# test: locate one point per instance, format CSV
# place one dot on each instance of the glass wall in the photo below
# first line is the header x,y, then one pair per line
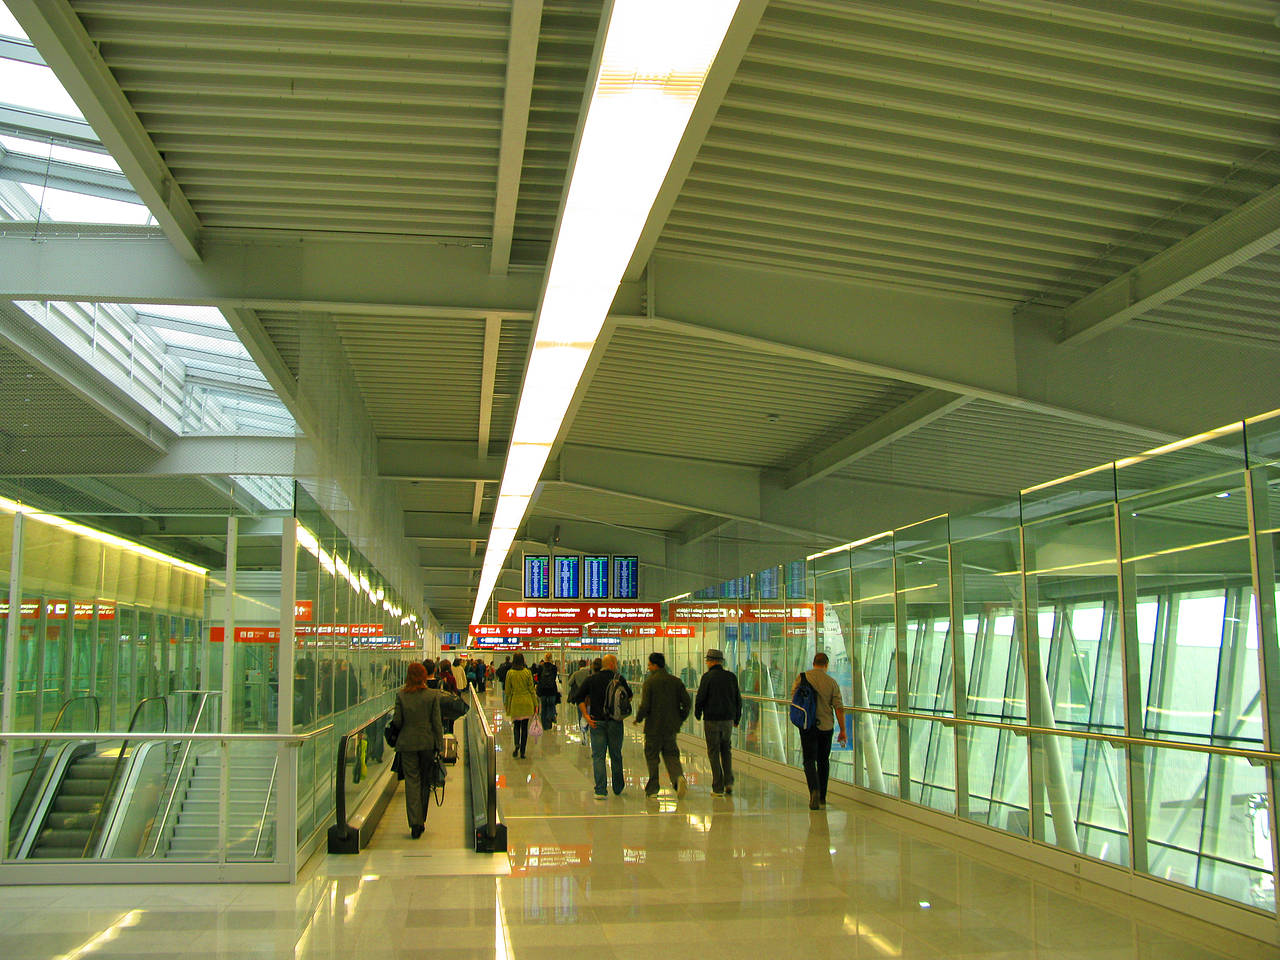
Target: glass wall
x,y
1092,667
155,680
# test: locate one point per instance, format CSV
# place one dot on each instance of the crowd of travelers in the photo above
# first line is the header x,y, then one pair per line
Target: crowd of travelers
x,y
601,699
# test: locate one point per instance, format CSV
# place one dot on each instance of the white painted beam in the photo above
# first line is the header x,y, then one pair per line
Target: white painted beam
x,y
1229,241
66,47
522,56
902,420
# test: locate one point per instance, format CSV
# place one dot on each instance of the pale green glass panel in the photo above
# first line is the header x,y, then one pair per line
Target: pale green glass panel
x,y
933,765
997,778
1207,825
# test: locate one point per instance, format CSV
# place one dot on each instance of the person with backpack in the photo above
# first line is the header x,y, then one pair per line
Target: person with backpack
x,y
664,705
816,711
605,701
719,706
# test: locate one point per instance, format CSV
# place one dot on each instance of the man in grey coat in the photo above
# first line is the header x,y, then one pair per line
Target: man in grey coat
x,y
664,704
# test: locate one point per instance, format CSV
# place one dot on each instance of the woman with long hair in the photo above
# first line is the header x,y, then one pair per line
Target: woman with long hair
x,y
420,738
519,701
445,672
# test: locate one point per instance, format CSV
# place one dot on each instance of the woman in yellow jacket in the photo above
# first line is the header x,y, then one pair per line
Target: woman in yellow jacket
x,y
519,701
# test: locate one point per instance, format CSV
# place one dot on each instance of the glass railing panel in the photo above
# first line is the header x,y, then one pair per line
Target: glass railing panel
x,y
1189,554
873,679
1086,490
1207,825
933,778
766,731
874,757
1072,581
1213,453
996,768
1070,775
987,582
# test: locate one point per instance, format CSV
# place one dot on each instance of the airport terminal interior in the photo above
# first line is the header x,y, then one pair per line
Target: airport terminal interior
x,y
937,336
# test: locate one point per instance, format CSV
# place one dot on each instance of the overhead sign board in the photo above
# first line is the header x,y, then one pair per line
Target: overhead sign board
x,y
484,630
744,612
512,612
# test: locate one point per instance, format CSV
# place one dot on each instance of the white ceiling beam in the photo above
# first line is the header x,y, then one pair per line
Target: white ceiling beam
x,y
60,175
218,456
897,423
443,460
56,31
522,57
47,128
337,275
428,526
1229,241
699,529
723,69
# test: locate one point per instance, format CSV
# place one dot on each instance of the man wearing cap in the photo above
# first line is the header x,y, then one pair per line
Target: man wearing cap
x,y
719,706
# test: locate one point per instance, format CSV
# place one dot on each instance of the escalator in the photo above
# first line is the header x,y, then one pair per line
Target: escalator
x,y
74,805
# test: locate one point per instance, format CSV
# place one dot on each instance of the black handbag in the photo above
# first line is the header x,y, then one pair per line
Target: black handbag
x,y
392,733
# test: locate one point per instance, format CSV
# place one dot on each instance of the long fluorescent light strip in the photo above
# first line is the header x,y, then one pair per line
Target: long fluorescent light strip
x,y
655,59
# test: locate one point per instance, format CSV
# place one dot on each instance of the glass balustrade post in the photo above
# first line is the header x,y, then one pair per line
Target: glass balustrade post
x,y
286,832
959,674
228,686
901,674
1137,765
1262,553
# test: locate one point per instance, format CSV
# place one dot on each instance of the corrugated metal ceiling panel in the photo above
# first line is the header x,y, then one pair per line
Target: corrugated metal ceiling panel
x,y
419,377
571,503
1019,149
990,450
689,397
357,116
1243,303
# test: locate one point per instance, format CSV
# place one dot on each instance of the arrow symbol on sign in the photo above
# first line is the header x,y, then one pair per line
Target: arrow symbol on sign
x,y
591,611
510,611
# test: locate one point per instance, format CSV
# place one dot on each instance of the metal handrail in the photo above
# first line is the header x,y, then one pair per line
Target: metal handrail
x,y
97,713
290,738
1022,730
340,773
115,770
491,765
181,766
266,805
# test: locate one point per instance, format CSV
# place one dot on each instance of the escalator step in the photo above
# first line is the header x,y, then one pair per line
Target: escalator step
x,y
61,853
72,821
84,788
77,804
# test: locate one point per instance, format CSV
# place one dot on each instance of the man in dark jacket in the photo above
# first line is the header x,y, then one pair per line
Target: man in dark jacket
x,y
719,707
664,704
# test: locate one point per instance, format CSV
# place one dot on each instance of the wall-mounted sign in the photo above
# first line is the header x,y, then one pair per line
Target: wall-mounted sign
x,y
537,576
744,612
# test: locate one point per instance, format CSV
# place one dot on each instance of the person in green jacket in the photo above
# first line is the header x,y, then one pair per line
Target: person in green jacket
x,y
520,701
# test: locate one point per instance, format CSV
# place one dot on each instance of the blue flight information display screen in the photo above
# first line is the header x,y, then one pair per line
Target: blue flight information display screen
x,y
567,577
595,578
537,577
626,578
796,580
767,583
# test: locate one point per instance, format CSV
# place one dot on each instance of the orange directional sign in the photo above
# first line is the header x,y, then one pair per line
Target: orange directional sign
x,y
518,612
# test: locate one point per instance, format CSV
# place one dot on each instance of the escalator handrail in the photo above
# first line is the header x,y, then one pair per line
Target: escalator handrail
x,y
115,770
340,788
181,767
44,748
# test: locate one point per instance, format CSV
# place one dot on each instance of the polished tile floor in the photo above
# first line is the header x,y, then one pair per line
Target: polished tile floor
x,y
756,874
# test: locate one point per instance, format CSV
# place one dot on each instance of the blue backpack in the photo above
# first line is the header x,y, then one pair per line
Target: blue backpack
x,y
804,704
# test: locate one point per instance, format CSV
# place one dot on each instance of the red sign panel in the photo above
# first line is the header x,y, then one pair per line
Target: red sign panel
x,y
579,612
638,630
524,630
246,634
302,610
745,612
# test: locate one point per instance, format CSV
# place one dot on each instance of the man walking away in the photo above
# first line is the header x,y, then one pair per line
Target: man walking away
x,y
548,692
576,680
601,696
664,705
719,706
501,672
815,743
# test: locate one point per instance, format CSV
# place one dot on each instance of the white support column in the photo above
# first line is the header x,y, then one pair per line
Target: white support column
x,y
228,687
13,629
287,754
